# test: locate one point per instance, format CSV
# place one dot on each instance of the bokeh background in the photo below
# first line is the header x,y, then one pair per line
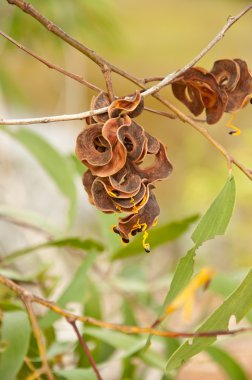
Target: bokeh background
x,y
145,39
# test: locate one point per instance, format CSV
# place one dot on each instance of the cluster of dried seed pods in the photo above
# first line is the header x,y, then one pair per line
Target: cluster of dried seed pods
x,y
113,147
226,88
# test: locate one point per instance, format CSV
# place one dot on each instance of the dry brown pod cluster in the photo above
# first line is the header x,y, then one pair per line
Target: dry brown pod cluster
x,y
227,87
113,146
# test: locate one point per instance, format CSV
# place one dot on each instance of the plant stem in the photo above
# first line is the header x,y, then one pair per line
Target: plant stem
x,y
51,65
85,347
20,291
27,300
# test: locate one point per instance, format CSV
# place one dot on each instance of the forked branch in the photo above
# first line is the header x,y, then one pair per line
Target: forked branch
x,y
20,291
100,61
108,68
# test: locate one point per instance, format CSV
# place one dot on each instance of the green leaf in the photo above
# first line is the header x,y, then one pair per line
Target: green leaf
x,y
237,304
78,166
128,313
93,305
76,374
157,236
131,344
214,222
54,163
74,242
16,276
58,348
181,278
224,284
75,291
114,338
223,205
16,332
217,217
227,362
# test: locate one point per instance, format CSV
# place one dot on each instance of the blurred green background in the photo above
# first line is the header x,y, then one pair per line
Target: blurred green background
x,y
145,39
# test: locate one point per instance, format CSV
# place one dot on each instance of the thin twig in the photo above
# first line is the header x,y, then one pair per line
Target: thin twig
x,y
171,115
153,79
78,116
22,224
101,62
113,326
70,117
203,131
85,347
35,372
194,124
27,300
53,119
49,25
108,80
161,113
53,28
51,65
170,77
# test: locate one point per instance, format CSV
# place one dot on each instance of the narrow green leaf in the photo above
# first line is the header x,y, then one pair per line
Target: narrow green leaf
x,y
78,166
181,278
54,163
157,236
238,304
128,313
128,369
58,348
16,333
227,363
16,276
93,305
75,242
222,204
131,344
224,284
114,338
75,291
111,240
214,222
217,217
76,374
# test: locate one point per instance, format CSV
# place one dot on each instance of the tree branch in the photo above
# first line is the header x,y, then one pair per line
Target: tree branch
x,y
28,8
27,300
19,291
170,77
69,117
186,119
108,79
203,131
53,119
85,347
53,28
51,65
100,61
